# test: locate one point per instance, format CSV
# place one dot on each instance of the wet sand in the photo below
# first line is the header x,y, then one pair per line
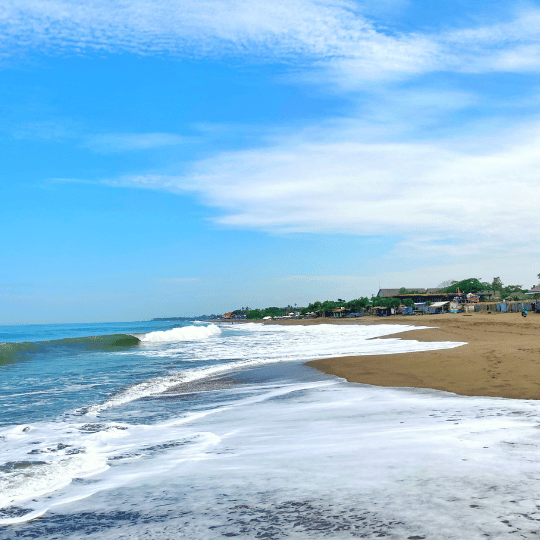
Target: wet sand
x,y
501,357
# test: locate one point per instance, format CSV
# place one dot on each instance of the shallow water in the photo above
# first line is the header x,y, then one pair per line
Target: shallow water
x,y
215,432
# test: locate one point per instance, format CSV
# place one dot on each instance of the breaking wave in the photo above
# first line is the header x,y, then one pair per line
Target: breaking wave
x,y
186,333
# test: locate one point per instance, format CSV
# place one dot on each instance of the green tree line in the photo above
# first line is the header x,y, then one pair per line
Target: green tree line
x,y
473,285
466,286
326,307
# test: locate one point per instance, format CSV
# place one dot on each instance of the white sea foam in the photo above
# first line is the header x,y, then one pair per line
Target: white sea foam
x,y
43,478
186,333
261,438
264,345
418,463
54,466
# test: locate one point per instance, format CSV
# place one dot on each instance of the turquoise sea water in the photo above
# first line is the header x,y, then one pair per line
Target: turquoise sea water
x,y
216,431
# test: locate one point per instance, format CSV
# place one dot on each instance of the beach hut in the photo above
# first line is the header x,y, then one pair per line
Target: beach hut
x,y
437,307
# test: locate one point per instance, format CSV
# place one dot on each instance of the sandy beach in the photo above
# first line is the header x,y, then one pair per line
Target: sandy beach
x,y
501,357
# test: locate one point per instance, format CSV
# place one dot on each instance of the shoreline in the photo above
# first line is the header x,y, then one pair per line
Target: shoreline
x,y
501,357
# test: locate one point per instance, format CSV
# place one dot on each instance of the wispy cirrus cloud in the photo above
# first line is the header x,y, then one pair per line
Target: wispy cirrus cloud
x,y
332,38
333,35
507,46
441,195
180,27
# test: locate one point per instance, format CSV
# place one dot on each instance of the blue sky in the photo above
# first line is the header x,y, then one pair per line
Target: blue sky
x,y
178,158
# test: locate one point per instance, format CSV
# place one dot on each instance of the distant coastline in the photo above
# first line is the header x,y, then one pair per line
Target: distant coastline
x,y
175,319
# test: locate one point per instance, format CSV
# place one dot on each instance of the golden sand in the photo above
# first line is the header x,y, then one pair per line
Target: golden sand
x,y
501,358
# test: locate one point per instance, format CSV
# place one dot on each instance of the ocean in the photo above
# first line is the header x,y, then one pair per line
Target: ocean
x,y
213,431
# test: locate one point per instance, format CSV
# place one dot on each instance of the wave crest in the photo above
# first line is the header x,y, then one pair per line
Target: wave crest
x,y
13,351
186,333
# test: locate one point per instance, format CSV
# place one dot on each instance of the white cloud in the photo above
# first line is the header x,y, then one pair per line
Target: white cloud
x,y
307,26
333,38
332,32
443,196
512,46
